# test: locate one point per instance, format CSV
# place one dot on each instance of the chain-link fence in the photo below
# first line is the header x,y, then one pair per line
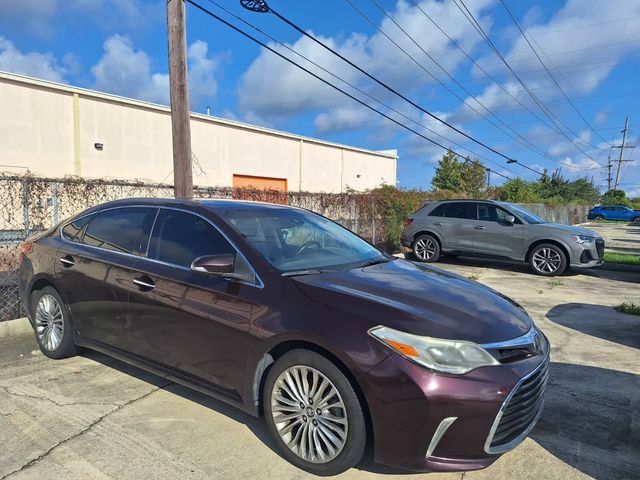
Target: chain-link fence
x,y
32,204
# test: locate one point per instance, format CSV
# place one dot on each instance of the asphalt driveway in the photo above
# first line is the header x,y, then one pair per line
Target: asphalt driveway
x,y
92,417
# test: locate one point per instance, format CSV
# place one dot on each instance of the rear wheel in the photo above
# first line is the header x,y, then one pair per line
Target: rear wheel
x,y
314,414
636,220
54,333
426,248
547,259
599,217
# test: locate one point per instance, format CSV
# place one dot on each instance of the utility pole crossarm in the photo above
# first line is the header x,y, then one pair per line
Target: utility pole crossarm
x,y
179,89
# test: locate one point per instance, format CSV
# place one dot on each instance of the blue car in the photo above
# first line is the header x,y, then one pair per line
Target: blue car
x,y
614,212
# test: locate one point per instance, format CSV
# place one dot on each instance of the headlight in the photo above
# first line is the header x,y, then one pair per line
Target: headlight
x,y
448,356
582,239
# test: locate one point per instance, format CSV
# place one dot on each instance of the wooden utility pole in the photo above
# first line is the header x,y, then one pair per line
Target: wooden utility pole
x,y
622,147
179,88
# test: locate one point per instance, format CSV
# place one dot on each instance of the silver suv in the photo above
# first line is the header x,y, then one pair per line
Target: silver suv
x,y
499,230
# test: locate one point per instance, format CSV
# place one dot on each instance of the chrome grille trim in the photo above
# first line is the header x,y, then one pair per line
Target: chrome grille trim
x,y
530,401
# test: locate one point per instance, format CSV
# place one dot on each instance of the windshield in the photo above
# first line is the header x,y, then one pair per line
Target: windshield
x,y
297,241
526,215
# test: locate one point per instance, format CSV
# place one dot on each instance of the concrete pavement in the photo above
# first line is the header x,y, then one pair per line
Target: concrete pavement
x,y
94,417
618,237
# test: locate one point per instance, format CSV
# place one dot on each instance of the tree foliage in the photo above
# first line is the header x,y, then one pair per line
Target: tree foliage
x,y
550,189
616,197
460,176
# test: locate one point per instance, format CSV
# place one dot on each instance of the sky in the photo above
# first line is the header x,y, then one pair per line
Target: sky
x,y
564,110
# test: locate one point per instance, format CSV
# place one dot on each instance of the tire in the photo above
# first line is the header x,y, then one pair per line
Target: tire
x,y
426,248
636,220
280,399
547,259
599,217
51,324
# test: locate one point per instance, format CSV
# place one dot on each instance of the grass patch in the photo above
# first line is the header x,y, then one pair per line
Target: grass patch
x,y
475,276
628,307
622,258
555,283
612,221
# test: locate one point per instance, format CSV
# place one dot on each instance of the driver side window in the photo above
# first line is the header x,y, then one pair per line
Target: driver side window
x,y
179,238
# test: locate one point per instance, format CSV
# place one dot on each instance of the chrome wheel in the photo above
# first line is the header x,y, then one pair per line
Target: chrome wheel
x,y
49,322
547,260
425,248
309,414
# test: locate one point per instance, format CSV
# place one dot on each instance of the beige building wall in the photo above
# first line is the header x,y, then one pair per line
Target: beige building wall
x,y
53,130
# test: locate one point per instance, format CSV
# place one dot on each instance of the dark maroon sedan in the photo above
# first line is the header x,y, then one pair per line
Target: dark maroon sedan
x,y
286,314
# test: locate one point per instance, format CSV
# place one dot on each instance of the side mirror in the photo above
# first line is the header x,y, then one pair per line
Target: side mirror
x,y
510,219
223,265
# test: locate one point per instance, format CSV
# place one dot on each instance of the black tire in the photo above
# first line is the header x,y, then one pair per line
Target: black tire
x,y
65,347
556,260
636,220
599,217
356,431
426,248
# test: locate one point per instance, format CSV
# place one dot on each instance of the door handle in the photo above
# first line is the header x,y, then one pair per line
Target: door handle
x,y
67,261
145,283
480,227
438,224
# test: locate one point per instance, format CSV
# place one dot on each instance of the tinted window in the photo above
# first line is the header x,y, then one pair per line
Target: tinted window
x,y
120,229
491,213
461,210
180,237
438,211
73,231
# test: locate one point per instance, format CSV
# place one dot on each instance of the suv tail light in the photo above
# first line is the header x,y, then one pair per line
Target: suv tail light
x,y
408,221
25,249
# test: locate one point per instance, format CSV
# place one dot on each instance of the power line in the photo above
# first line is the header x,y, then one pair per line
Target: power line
x,y
556,121
272,50
522,32
355,87
261,6
524,142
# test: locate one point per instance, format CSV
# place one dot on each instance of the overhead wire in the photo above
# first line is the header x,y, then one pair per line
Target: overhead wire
x,y
272,50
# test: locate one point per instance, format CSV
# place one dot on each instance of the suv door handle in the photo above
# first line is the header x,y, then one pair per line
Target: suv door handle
x,y
438,224
480,227
145,283
67,261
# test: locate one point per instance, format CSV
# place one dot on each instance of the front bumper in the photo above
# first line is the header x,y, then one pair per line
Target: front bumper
x,y
409,403
587,255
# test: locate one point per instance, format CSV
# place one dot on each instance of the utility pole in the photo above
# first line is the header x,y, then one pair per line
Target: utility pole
x,y
488,178
609,166
179,88
621,147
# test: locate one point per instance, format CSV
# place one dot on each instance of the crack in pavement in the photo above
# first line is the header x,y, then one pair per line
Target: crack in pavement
x,y
32,462
55,402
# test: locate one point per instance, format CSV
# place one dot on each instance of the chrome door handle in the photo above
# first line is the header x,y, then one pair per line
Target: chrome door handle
x,y
480,227
67,261
438,224
145,282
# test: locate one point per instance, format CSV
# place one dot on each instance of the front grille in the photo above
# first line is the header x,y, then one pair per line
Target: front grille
x,y
600,248
520,411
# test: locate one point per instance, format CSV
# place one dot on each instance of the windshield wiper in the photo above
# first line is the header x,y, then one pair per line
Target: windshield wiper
x,y
377,261
312,271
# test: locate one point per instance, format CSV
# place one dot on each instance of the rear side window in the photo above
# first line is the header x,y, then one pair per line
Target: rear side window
x,y
73,231
438,211
121,229
461,210
179,238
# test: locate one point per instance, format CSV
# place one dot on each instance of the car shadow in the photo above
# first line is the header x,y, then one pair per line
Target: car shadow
x,y
598,321
590,420
255,425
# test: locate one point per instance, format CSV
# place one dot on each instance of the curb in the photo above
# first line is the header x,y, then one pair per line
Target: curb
x,y
15,328
619,267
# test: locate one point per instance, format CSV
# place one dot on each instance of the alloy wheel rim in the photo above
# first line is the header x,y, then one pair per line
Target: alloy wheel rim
x,y
425,248
546,260
309,414
49,322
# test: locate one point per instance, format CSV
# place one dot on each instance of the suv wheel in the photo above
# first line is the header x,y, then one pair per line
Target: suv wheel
x,y
314,414
636,220
599,217
547,259
426,248
53,329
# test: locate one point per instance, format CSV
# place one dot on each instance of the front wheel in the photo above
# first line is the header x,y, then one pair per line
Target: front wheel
x,y
599,217
51,323
636,220
313,414
548,259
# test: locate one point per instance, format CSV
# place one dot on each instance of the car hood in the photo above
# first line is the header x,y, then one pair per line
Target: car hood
x,y
419,299
571,229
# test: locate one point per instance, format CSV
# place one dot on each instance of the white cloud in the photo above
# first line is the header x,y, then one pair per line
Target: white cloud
x,y
274,89
33,64
122,70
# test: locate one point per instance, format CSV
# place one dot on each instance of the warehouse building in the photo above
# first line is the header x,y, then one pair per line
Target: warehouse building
x,y
56,130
